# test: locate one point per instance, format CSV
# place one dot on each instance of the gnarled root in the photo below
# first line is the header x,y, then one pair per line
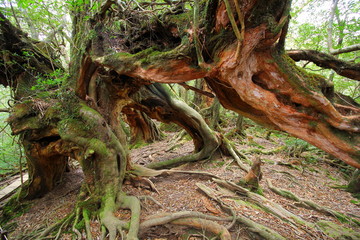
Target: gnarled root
x,y
192,219
254,227
312,205
113,224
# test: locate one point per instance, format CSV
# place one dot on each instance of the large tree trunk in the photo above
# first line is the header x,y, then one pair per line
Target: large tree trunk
x,y
158,102
237,47
246,66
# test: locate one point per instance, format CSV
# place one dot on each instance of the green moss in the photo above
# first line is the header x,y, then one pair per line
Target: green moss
x,y
138,144
248,204
14,208
180,20
98,146
269,161
336,231
313,124
298,78
80,225
21,110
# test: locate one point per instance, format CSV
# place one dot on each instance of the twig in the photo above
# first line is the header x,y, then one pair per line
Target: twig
x,y
208,94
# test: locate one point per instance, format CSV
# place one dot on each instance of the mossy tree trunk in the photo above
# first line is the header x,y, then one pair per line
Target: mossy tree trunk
x,y
159,103
237,47
242,58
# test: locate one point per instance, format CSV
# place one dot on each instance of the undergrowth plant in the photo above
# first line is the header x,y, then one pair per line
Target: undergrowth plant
x,y
10,151
51,80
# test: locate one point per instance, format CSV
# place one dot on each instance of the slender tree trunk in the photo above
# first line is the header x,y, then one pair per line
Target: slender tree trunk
x,y
354,184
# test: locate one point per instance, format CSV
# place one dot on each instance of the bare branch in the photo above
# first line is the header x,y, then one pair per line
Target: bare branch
x,y
352,48
208,94
324,60
4,110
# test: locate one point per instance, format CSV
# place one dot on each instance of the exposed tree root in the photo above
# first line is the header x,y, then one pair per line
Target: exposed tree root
x,y
152,199
235,154
268,206
76,232
210,193
158,102
192,219
310,204
336,231
254,227
142,171
56,226
206,225
265,152
132,203
263,231
111,223
163,218
87,224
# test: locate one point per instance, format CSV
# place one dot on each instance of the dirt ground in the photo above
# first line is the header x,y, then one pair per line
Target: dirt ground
x,y
179,192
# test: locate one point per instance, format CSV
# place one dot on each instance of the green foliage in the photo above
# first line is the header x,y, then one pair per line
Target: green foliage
x,y
309,30
10,151
49,81
14,209
296,146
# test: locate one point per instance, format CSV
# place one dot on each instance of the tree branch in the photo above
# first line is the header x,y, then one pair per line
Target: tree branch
x,y
208,94
4,110
352,48
324,60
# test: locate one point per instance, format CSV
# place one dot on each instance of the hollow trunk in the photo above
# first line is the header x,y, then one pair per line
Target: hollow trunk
x,y
142,127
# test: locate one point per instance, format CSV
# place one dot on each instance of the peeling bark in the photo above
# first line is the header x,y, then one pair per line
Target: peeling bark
x,y
257,80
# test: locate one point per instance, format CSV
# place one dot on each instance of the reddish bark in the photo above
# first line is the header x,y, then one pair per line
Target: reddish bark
x,y
260,82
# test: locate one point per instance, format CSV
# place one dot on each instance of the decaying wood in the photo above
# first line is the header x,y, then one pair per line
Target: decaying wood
x,y
252,178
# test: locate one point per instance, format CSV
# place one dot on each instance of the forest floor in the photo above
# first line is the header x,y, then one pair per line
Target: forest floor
x,y
309,174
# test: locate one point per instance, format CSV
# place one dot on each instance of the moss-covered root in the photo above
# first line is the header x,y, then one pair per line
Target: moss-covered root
x,y
228,147
259,229
111,223
132,203
310,204
336,231
202,155
206,225
191,219
267,205
252,226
